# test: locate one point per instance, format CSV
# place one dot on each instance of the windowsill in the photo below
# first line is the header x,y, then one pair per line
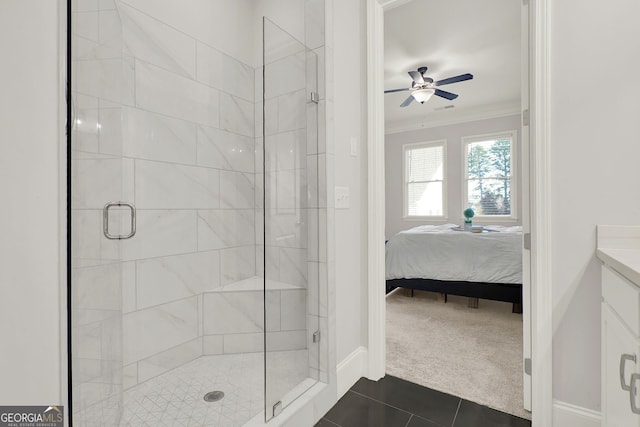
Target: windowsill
x,y
495,220
426,218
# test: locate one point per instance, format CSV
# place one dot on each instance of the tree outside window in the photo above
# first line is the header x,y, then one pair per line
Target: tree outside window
x,y
489,175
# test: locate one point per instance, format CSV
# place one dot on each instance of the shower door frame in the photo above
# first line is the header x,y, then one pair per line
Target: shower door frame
x,y
65,7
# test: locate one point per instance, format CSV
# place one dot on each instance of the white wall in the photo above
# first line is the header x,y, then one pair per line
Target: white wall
x,y
350,171
595,173
453,134
30,330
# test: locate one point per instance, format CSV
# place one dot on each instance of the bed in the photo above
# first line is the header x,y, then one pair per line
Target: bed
x,y
440,258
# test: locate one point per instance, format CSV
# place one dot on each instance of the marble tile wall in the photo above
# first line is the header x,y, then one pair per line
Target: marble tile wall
x,y
190,136
233,321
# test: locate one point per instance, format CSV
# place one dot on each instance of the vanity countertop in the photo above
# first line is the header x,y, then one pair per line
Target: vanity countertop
x,y
619,248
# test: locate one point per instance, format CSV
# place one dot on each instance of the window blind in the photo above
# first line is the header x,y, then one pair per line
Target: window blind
x,y
424,175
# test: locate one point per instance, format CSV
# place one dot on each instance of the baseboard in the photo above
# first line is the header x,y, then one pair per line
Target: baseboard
x,y
566,414
351,369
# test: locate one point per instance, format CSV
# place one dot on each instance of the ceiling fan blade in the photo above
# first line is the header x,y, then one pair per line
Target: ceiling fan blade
x,y
407,101
444,94
417,77
395,90
460,78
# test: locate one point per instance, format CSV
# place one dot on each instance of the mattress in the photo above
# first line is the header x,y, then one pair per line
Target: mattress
x,y
440,252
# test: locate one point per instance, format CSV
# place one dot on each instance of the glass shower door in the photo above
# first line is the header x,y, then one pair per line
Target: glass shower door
x,y
290,216
194,217
100,219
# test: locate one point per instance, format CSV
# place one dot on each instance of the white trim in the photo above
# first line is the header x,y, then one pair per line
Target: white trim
x,y
430,219
466,117
470,139
566,414
375,191
351,369
541,301
541,279
405,206
525,170
489,136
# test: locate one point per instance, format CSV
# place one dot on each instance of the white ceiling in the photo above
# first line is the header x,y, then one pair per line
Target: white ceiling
x,y
453,37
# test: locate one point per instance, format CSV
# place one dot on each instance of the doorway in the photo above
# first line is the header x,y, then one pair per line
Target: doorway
x,y
461,148
540,328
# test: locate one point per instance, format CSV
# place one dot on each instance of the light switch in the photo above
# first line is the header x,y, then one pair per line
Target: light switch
x,y
354,146
342,197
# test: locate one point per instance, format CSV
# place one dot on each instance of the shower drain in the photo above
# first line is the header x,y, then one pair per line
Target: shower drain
x,y
213,396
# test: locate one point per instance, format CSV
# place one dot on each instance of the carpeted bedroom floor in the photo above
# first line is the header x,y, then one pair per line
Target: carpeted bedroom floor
x,y
471,353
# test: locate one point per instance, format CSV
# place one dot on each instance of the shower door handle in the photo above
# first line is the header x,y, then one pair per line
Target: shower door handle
x,y
105,221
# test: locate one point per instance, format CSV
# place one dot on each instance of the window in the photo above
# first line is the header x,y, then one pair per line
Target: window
x,y
424,189
489,164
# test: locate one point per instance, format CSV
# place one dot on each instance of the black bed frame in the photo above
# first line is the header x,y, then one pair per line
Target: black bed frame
x,y
494,291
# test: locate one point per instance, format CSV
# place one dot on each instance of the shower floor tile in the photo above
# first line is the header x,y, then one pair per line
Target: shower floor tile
x,y
176,398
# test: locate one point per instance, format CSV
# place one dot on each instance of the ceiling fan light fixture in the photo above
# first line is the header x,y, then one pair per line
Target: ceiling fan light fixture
x,y
422,95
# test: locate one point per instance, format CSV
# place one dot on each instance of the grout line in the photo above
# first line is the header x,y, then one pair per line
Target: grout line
x,y
456,415
380,401
159,305
192,37
135,287
409,420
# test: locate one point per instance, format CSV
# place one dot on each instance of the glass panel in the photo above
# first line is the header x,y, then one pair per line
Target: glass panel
x,y
291,216
98,176
424,198
490,196
165,120
425,164
489,176
489,158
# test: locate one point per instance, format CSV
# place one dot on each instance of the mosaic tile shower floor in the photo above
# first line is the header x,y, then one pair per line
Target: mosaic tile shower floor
x,y
176,397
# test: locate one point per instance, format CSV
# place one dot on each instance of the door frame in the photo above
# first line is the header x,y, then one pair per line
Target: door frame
x,y
538,133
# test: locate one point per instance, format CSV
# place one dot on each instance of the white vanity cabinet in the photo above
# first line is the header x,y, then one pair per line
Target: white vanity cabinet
x,y
620,356
618,247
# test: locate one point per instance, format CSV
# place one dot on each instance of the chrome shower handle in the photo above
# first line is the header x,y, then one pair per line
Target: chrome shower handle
x,y
105,221
623,360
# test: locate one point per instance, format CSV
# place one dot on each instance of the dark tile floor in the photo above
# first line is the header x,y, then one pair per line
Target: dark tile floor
x,y
393,402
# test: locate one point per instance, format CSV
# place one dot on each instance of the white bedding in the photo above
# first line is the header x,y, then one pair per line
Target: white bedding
x,y
438,252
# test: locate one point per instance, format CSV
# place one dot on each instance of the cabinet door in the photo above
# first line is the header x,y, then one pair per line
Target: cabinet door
x,y
620,359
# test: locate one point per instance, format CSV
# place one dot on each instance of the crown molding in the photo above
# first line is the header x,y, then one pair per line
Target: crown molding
x,y
447,119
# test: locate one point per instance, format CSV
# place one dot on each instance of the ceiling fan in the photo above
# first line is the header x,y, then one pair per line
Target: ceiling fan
x,y
422,87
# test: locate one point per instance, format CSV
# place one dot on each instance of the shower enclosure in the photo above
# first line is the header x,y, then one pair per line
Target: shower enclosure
x,y
196,212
